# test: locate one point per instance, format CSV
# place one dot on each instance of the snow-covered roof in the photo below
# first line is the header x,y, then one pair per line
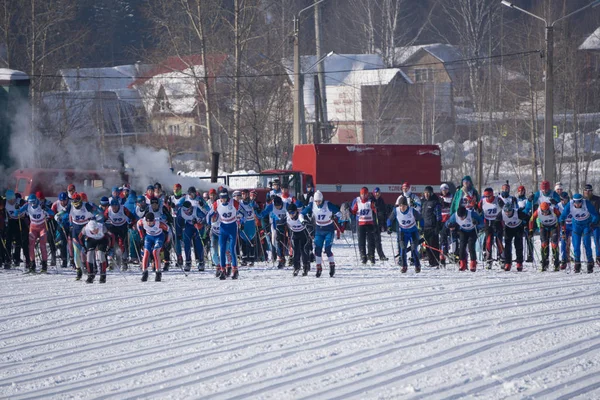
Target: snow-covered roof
x,y
443,52
344,76
12,75
84,113
592,42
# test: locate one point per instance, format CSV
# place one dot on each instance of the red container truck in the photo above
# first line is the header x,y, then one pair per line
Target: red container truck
x,y
339,171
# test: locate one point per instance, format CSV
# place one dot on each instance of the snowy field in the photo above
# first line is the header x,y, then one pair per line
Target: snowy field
x,y
367,333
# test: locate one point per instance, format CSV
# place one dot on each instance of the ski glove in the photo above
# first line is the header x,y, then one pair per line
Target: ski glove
x,y
389,231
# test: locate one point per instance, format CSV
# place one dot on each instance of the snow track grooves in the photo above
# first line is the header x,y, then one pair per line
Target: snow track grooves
x,y
360,335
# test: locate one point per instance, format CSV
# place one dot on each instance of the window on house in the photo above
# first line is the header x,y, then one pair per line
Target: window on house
x,y
423,75
163,105
173,129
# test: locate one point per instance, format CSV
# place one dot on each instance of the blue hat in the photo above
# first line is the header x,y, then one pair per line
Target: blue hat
x,y
63,196
224,193
376,190
32,198
150,187
114,202
299,204
10,195
577,197
140,198
467,178
116,189
104,201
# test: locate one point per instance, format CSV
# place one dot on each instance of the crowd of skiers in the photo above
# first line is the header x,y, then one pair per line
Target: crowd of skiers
x,y
223,226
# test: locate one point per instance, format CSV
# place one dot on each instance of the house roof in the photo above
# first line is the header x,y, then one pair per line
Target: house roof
x,y
12,75
443,52
177,78
83,113
343,73
592,42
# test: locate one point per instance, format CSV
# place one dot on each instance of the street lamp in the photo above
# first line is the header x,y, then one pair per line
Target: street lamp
x,y
299,130
549,156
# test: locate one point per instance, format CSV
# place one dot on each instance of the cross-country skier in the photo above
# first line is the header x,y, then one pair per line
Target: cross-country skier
x,y
229,215
525,204
466,223
513,224
585,217
276,212
445,237
38,229
189,223
63,229
324,213
566,232
248,234
432,224
467,196
409,220
118,221
545,195
17,229
588,194
299,238
412,198
381,208
154,234
366,218
546,217
96,239
491,207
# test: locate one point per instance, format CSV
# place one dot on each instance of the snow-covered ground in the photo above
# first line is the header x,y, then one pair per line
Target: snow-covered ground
x,y
368,333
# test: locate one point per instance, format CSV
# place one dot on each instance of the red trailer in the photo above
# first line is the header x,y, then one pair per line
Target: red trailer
x,y
340,170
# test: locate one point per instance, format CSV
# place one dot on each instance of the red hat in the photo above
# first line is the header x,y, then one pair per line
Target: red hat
x,y
177,186
521,188
70,187
39,195
405,185
364,191
83,197
545,206
545,185
76,197
212,191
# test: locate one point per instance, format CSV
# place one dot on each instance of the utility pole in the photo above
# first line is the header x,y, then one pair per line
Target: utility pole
x,y
324,123
299,131
549,155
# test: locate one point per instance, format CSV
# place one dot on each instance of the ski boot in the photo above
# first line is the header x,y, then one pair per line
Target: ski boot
x,y
363,260
563,266
158,276
7,265
488,264
243,263
235,274
463,265
372,259
443,260
200,265
30,268
290,262
124,267
166,266
281,263
63,263
598,260
72,264
417,269
90,278
296,269
102,278
222,274
577,267
507,267
529,258
251,264
404,269
319,270
305,270
520,267
383,258
311,257
556,267
228,271
53,260
44,269
179,261
145,276
473,265
331,269
590,267
79,274
188,266
218,272
544,266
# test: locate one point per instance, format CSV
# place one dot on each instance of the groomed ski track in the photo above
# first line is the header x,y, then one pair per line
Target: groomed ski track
x,y
368,333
